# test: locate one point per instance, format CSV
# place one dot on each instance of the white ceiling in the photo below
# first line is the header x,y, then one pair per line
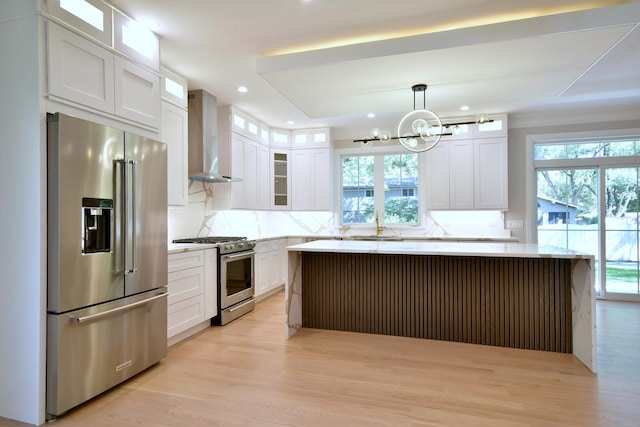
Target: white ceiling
x,y
331,62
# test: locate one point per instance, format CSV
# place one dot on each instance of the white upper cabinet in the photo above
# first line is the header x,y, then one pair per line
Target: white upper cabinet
x,y
280,178
498,127
438,177
490,161
311,138
173,88
137,93
280,138
110,72
79,70
175,133
311,179
465,172
92,17
468,174
248,126
461,174
136,41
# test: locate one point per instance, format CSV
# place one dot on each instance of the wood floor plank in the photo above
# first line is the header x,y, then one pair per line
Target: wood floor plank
x,y
247,374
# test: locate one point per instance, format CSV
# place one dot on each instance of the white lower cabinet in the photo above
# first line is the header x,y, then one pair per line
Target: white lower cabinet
x,y
192,292
269,266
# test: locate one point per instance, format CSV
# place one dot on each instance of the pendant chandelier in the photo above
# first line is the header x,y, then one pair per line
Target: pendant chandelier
x,y
421,129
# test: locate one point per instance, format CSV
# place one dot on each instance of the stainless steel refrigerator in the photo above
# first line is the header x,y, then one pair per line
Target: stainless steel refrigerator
x,y
107,258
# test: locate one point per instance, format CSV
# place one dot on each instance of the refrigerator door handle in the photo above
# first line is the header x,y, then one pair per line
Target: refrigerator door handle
x,y
115,310
123,215
134,215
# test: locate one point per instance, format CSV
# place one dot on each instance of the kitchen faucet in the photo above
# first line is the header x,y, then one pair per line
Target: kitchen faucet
x,y
379,229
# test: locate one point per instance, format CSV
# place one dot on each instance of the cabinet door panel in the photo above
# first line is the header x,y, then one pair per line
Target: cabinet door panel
x,y
250,176
438,177
185,284
491,175
96,24
461,174
300,188
79,70
237,169
175,135
280,179
184,314
137,93
320,179
263,178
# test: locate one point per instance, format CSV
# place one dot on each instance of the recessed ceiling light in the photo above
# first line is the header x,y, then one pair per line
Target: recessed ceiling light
x,y
371,115
464,108
291,122
243,89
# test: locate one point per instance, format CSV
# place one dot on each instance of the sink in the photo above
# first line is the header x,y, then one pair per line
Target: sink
x,y
373,237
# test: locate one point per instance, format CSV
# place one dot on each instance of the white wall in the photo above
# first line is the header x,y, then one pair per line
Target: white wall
x,y
22,222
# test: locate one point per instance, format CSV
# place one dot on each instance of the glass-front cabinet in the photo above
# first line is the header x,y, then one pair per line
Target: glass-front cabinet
x,y
281,184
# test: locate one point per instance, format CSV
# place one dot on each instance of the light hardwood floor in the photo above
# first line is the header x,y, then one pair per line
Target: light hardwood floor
x,y
247,374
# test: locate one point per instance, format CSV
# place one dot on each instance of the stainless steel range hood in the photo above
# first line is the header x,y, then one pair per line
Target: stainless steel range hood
x,y
204,163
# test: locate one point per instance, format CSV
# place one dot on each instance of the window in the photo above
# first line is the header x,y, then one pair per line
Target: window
x,y
588,197
586,150
357,189
395,176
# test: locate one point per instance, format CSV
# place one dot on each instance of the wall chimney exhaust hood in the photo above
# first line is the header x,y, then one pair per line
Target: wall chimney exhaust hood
x,y
205,151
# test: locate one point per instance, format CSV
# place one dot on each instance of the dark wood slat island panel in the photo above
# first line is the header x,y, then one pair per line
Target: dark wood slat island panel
x,y
509,302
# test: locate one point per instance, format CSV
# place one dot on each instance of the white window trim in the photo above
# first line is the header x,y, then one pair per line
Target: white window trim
x,y
530,181
379,198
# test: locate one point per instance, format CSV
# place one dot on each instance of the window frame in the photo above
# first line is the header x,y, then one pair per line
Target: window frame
x,y
378,152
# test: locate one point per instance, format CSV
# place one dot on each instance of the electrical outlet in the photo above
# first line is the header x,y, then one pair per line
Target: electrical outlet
x,y
515,223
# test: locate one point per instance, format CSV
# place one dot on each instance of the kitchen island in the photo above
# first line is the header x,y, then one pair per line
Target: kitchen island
x,y
504,294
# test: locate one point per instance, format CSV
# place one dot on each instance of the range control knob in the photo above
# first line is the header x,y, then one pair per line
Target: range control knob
x,y
227,247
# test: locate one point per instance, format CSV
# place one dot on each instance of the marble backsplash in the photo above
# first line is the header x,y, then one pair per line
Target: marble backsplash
x,y
204,215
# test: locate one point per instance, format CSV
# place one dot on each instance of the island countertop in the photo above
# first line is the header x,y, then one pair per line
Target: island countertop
x,y
482,249
527,296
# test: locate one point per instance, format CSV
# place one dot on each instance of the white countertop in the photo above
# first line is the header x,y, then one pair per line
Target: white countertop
x,y
175,248
485,249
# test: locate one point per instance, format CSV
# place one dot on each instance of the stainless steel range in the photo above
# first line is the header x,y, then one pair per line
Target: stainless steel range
x,y
236,276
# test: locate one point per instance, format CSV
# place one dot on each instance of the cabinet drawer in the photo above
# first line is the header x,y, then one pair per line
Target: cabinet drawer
x,y
185,284
184,314
184,260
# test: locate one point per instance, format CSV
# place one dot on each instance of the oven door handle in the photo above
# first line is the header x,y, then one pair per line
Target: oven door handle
x,y
242,255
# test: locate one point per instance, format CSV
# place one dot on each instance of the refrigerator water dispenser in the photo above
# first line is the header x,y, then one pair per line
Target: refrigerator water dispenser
x,y
96,225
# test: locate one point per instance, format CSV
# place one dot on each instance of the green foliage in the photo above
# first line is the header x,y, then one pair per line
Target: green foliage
x,y
398,210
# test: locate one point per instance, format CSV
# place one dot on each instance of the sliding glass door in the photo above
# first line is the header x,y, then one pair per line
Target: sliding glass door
x,y
588,200
568,210
621,231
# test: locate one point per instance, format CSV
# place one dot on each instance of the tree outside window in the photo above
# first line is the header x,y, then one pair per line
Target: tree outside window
x,y
400,178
